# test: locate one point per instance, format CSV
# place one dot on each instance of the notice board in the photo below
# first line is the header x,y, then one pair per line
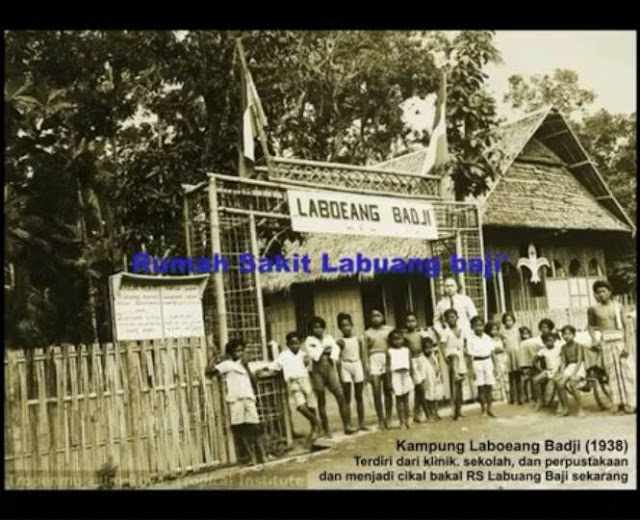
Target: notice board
x,y
152,307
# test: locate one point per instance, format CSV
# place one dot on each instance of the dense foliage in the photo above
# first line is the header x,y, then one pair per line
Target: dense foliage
x,y
102,127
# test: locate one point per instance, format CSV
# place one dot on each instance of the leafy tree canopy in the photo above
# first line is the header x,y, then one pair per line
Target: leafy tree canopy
x,y
102,127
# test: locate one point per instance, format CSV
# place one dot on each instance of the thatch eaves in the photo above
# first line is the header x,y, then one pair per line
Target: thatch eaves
x,y
340,246
538,191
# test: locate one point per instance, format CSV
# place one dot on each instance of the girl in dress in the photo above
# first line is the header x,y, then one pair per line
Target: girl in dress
x,y
501,388
400,365
525,359
511,340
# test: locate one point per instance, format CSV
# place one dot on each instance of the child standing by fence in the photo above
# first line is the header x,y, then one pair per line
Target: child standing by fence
x,y
292,362
241,399
325,353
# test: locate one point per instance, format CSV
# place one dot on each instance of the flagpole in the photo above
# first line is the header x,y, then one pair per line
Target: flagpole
x,y
244,169
245,165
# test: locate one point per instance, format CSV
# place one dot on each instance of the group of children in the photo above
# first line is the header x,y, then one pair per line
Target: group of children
x,y
398,362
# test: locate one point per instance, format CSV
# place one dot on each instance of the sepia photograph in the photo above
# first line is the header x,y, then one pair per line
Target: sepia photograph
x,y
320,260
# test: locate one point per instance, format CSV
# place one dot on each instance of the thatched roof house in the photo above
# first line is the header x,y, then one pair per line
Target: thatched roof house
x,y
547,192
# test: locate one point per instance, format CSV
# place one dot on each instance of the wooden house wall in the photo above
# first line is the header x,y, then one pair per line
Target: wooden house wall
x,y
340,296
560,248
280,316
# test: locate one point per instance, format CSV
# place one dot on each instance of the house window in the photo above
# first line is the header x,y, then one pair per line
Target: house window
x,y
579,292
594,268
575,268
304,307
558,270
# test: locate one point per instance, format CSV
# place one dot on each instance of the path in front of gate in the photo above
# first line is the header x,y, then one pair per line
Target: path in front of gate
x,y
514,423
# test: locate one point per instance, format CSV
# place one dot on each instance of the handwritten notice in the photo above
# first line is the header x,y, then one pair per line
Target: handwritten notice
x,y
148,307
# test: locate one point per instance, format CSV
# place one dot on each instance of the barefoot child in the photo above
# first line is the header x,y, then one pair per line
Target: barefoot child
x,y
375,338
549,358
481,348
325,354
501,384
453,342
351,365
399,360
241,399
292,363
525,359
511,341
413,339
571,371
433,387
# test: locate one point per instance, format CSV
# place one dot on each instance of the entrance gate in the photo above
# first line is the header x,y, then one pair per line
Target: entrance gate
x,y
229,216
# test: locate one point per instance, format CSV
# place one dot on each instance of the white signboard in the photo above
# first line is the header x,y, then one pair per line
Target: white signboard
x,y
333,212
152,307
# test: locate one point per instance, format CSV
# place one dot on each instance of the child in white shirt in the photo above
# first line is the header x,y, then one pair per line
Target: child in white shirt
x,y
549,359
325,353
481,348
399,362
241,399
292,363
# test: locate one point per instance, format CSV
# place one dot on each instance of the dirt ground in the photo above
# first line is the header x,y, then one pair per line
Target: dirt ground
x,y
351,464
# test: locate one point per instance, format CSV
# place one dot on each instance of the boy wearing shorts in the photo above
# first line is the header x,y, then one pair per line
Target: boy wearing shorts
x,y
549,358
572,371
325,354
352,368
292,363
481,348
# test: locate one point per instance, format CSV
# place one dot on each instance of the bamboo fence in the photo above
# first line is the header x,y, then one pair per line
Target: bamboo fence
x,y
128,414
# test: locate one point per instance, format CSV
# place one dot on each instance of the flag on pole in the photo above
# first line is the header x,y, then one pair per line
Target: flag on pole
x,y
254,120
438,151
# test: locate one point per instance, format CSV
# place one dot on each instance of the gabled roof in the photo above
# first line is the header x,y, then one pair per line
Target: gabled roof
x,y
549,127
538,191
413,162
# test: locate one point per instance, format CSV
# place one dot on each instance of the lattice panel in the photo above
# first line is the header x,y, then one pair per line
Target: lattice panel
x,y
248,196
271,404
243,318
198,228
352,178
474,285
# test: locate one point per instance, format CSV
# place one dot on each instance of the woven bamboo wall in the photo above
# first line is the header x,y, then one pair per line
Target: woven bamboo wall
x,y
146,406
561,317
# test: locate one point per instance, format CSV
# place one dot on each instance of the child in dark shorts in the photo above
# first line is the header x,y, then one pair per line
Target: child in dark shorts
x,y
325,353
